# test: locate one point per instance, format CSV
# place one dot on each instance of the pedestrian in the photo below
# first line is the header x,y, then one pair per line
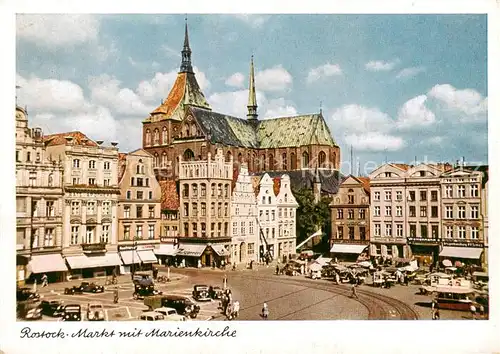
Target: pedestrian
x,y
251,264
437,315
45,281
354,293
433,309
481,310
115,297
265,311
277,269
473,311
236,309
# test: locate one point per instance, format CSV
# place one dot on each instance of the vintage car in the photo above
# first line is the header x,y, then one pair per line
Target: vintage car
x,y
84,287
215,292
183,305
143,278
314,274
151,316
170,314
53,308
201,293
95,312
143,291
28,310
72,312
23,294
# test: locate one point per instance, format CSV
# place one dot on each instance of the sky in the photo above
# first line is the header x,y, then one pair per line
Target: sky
x,y
392,87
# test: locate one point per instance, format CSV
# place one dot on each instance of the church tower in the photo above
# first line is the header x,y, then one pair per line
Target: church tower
x,y
186,66
252,97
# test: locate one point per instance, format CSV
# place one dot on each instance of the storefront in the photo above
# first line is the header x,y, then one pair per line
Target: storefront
x,y
93,265
52,265
130,259
204,255
424,251
147,256
347,252
464,255
166,253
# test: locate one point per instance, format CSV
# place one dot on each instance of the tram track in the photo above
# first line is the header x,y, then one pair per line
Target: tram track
x,y
379,307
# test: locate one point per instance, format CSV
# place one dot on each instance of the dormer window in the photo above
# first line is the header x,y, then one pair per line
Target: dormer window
x,y
387,174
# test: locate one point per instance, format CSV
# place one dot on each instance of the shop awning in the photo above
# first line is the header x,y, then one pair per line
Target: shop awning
x,y
194,250
220,250
343,248
166,250
47,263
130,257
106,260
147,256
461,252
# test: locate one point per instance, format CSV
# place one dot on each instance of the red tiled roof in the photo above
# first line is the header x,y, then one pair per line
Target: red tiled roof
x,y
60,139
402,166
169,196
277,185
174,97
366,183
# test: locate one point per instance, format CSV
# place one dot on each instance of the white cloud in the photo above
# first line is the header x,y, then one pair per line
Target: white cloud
x,y
379,65
50,95
105,90
254,21
322,71
57,30
354,118
273,79
408,73
236,80
202,79
278,107
467,101
170,52
414,113
374,141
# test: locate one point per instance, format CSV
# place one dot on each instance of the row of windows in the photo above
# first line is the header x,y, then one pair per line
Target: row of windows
x,y
91,208
90,235
45,240
287,212
243,228
350,213
203,209
214,231
351,232
138,232
138,212
461,212
450,192
38,157
216,190
92,181
139,195
461,191
92,164
38,209
412,212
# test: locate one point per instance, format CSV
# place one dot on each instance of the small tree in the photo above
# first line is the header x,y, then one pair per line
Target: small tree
x,y
311,217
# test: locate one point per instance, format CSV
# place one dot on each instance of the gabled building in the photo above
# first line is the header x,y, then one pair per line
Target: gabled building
x,y
139,211
91,192
245,232
287,219
39,206
350,215
169,222
185,125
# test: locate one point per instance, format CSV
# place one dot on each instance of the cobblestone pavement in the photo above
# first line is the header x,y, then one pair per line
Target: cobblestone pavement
x,y
288,298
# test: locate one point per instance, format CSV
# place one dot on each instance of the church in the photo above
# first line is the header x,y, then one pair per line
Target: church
x,y
185,126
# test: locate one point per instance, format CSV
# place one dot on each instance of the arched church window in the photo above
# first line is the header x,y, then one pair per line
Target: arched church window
x,y
156,138
164,138
305,159
271,162
148,137
293,161
322,159
188,155
283,162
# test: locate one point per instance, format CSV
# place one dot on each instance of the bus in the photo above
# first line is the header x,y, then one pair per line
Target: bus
x,y
454,297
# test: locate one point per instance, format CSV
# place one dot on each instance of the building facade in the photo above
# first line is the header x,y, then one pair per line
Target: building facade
x,y
139,211
287,219
184,124
350,215
39,206
464,207
245,233
90,211
169,222
205,198
388,211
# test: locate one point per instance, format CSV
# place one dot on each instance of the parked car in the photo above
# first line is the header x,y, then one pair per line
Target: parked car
x,y
95,311
73,290
151,316
314,274
28,310
170,314
23,294
215,292
201,293
143,291
53,308
183,305
143,278
72,313
84,287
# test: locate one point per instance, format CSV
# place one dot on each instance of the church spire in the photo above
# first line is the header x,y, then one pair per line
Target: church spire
x,y
252,98
186,53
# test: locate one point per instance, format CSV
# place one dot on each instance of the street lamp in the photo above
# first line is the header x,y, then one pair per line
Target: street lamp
x,y
134,245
